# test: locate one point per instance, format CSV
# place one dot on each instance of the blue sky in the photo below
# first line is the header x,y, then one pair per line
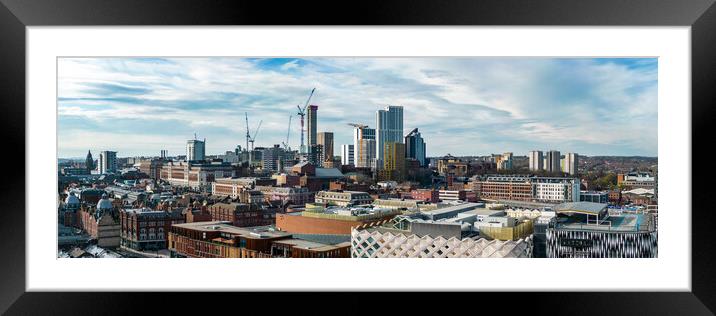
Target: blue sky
x,y
462,106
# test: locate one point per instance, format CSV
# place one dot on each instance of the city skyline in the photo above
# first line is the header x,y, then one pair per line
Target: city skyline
x,y
139,106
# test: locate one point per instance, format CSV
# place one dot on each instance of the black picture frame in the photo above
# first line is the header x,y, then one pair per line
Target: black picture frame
x,y
16,15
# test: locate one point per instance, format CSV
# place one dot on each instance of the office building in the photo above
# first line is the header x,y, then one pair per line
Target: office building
x,y
364,146
389,128
571,163
536,160
594,197
635,180
586,230
552,159
527,189
312,127
415,147
163,154
272,158
325,139
107,162
343,198
195,150
198,176
393,162
347,155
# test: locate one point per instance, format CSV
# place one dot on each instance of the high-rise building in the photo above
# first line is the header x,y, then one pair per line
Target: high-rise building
x,y
89,162
325,139
504,161
393,162
415,147
553,161
389,128
571,163
347,156
272,158
364,146
163,154
195,149
536,160
312,125
315,155
107,162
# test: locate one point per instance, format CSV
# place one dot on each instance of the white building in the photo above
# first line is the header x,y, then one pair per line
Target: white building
x,y
376,244
195,149
107,162
571,163
557,190
536,160
347,153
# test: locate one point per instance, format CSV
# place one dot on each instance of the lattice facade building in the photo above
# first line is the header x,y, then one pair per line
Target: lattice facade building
x,y
600,244
376,244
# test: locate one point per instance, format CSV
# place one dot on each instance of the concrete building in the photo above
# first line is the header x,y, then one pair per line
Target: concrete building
x,y
347,155
389,129
571,163
552,159
343,198
415,147
555,190
527,188
107,162
536,160
635,180
195,175
272,159
195,150
325,139
594,197
312,127
586,230
364,146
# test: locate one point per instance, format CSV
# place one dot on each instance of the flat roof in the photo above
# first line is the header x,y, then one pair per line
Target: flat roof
x,y
257,232
453,208
580,207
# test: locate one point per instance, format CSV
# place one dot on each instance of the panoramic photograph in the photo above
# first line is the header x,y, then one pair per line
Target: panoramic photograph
x,y
357,157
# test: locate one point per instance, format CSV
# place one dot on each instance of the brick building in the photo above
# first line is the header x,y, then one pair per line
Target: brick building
x,y
146,229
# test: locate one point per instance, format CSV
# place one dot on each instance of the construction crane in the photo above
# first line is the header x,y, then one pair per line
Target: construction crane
x,y
250,139
253,138
285,145
302,114
356,125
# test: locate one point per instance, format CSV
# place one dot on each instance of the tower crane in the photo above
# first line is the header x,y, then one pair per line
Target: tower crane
x,y
288,133
250,139
302,114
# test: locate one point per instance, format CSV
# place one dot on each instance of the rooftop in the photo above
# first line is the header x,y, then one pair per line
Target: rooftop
x,y
258,232
589,208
